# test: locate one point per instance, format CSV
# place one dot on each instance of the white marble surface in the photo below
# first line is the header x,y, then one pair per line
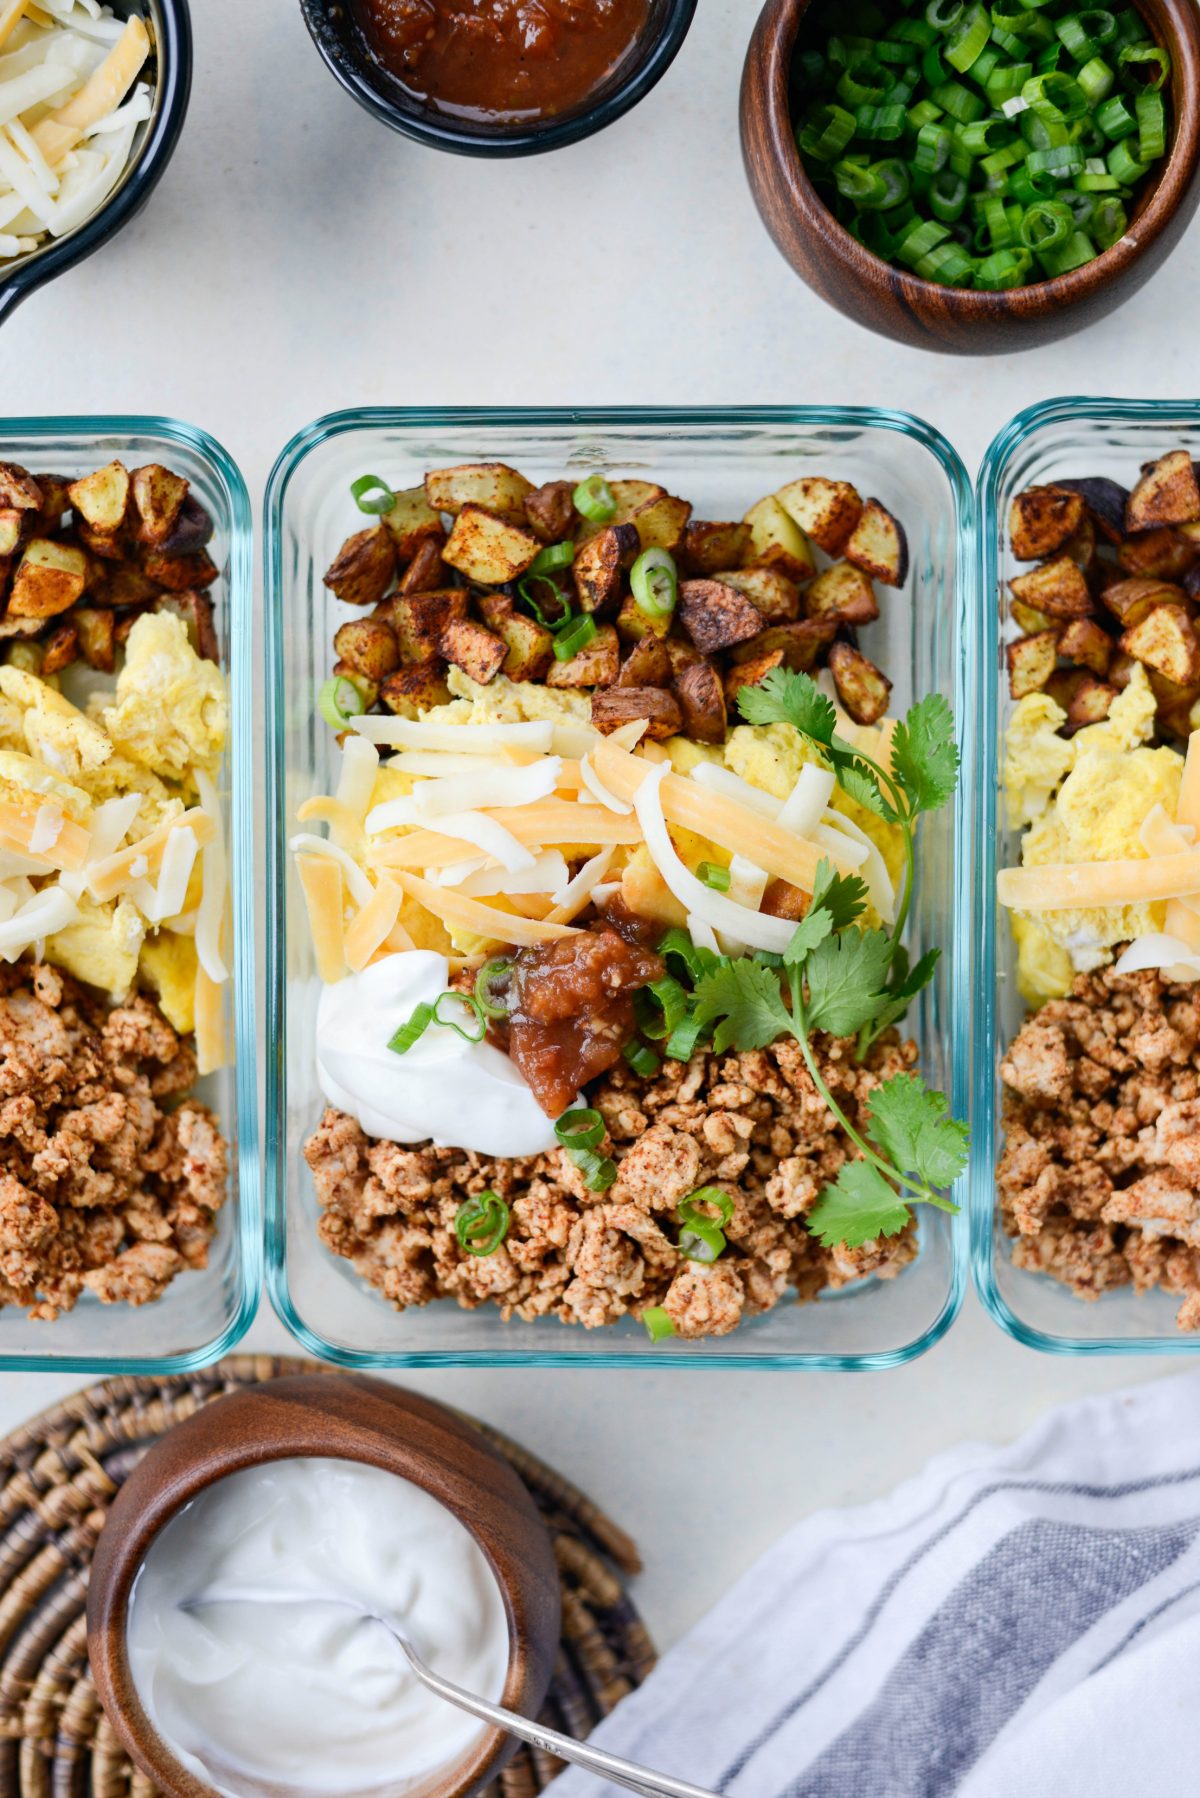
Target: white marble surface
x,y
298,259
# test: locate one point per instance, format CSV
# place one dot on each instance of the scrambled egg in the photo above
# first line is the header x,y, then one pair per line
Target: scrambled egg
x,y
24,775
55,731
169,963
1083,799
171,713
103,947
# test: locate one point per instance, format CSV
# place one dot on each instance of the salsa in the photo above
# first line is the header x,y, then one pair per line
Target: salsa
x,y
502,59
572,1011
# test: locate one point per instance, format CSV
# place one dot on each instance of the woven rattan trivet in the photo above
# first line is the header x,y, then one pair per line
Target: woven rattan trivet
x,y
57,1477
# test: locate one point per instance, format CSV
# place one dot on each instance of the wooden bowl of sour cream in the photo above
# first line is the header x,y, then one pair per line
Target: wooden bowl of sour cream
x,y
268,1433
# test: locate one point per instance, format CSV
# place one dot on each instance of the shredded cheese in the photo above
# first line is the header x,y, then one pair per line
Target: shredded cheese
x,y
210,914
454,909
466,739
211,1046
321,880
472,827
1071,886
644,891
596,787
546,826
579,892
100,94
359,885
47,912
356,784
142,860
19,828
373,925
1183,919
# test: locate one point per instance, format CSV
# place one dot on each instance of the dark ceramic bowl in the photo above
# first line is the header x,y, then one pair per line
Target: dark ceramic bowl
x,y
923,313
170,70
342,1417
346,53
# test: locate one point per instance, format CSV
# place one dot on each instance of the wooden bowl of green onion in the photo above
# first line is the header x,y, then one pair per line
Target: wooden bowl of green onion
x,y
968,178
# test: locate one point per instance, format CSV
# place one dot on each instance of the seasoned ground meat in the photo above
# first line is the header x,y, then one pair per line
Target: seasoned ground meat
x,y
101,1188
752,1124
1099,1182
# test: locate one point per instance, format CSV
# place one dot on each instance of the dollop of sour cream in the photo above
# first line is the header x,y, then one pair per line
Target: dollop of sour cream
x,y
297,1694
463,1095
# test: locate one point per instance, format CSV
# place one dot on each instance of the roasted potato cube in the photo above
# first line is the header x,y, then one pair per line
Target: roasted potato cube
x,y
1031,662
368,646
1167,493
367,690
50,578
473,648
411,691
20,654
615,706
1057,588
1105,501
782,900
1029,620
97,637
879,545
530,646
843,592
486,548
192,530
716,615
123,622
10,530
749,674
364,568
826,511
101,499
1042,519
680,654
715,548
18,489
426,573
550,511
1090,703
863,689
1164,552
599,563
1063,685
1166,640
648,664
411,521
774,596
494,486
634,625
661,522
110,546
196,611
632,494
702,702
60,649
125,585
178,573
419,619
1132,600
597,665
158,497
1087,643
1081,548
801,644
1120,670
779,542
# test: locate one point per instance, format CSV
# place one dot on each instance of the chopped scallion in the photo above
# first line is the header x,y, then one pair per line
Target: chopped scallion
x,y
371,494
594,500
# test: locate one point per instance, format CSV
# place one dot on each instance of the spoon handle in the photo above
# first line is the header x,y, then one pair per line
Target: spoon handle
x,y
581,1754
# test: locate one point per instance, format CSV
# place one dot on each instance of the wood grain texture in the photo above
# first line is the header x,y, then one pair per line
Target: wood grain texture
x,y
341,1416
922,313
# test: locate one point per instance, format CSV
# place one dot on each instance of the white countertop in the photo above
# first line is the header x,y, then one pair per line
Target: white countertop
x,y
298,259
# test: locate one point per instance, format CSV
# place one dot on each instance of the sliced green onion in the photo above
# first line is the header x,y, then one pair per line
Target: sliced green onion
x,y
968,40
582,1129
413,1031
685,1039
654,580
1060,163
702,1241
1075,253
1152,127
691,1209
934,144
642,1060
658,1323
473,1033
1124,166
494,974
960,102
1116,119
1097,81
1046,225
575,637
372,495
948,196
865,83
660,1007
552,558
881,124
1003,270
340,700
481,1223
1110,221
714,876
1149,63
694,962
594,500
826,133
897,183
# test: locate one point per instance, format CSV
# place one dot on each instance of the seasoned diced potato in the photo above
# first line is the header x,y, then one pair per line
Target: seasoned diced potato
x,y
661,522
634,625
1165,552
1105,501
1057,588
648,664
97,637
123,622
1081,548
419,619
411,521
178,573
716,615
10,530
1166,640
530,646
1132,600
110,546
411,691
1031,662
196,611
192,530
863,689
749,674
1042,519
801,644
597,665
426,573
774,596
680,654
599,564
473,648
50,578
18,489
1087,643
126,585
494,486
843,592
158,497
364,568
826,511
1029,620
1120,670
1090,703
702,702
60,649
616,706
486,548
879,546
1175,704
716,548
1063,684
779,542
368,646
550,511
102,498
1167,493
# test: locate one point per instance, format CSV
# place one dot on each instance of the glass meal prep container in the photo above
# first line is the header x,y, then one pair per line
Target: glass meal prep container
x,y
202,1314
722,461
1063,439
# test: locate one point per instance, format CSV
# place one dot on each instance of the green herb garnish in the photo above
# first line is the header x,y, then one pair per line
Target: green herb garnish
x,y
581,1134
481,1223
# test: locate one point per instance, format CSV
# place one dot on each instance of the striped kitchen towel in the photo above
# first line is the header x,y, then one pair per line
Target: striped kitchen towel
x,y
1013,1623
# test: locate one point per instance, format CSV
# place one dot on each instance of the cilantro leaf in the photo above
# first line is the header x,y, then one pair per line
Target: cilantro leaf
x,y
811,930
904,987
846,976
861,783
784,697
912,1125
925,755
858,1207
843,896
744,1001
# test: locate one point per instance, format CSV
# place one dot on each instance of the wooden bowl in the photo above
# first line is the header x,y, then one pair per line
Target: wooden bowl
x,y
922,313
350,1418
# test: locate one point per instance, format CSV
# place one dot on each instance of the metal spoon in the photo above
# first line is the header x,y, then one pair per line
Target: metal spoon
x,y
606,1766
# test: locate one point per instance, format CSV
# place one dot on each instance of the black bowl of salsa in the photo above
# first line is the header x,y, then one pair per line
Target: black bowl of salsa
x,y
498,77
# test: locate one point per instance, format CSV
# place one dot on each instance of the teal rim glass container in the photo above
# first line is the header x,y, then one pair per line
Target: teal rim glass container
x,y
722,460
203,1314
1062,439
